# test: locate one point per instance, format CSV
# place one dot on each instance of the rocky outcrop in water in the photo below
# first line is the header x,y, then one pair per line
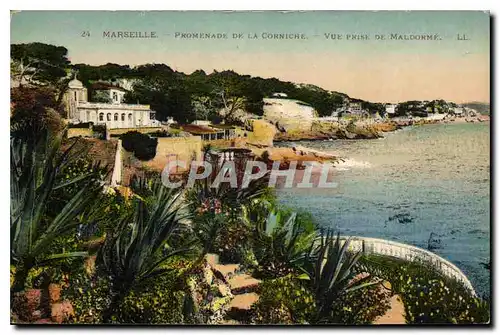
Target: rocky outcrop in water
x,y
323,130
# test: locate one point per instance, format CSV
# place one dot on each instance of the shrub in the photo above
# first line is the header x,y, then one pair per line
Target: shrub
x,y
99,131
33,110
281,242
283,300
89,296
330,270
428,296
35,171
138,247
161,133
362,306
233,242
143,146
84,125
159,302
432,301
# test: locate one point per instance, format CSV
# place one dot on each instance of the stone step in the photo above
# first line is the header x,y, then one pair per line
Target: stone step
x,y
243,301
227,270
212,259
243,283
239,308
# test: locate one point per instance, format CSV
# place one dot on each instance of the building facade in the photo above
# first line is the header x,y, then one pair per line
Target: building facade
x,y
114,114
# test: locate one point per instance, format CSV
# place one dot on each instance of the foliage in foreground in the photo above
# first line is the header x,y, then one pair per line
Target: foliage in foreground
x,y
281,242
428,296
34,178
157,302
330,270
361,306
284,300
138,249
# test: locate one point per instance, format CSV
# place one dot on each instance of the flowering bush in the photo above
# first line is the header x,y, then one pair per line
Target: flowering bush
x,y
433,301
428,296
89,296
283,301
157,303
362,306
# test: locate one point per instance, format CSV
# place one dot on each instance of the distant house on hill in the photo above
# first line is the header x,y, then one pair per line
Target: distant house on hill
x,y
354,108
390,109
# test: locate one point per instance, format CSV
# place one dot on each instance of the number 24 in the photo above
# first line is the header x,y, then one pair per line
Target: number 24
x,y
85,33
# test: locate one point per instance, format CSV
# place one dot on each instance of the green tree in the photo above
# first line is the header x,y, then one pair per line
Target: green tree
x,y
38,63
202,107
101,96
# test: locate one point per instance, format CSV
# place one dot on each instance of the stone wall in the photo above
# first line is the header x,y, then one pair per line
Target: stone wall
x,y
116,176
169,149
263,133
79,132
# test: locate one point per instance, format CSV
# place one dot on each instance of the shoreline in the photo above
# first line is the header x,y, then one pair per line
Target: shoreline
x,y
287,150
365,129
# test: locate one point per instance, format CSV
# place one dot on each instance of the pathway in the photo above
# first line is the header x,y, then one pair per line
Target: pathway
x,y
243,287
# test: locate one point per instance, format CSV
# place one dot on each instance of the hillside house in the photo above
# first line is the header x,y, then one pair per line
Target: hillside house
x,y
390,109
211,132
114,114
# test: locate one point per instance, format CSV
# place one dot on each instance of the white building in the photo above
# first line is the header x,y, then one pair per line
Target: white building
x,y
390,109
114,115
457,111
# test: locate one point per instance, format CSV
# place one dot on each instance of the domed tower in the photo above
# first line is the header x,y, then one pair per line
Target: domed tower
x,y
76,94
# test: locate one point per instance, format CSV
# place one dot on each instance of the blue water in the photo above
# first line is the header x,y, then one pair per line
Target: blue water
x,y
414,182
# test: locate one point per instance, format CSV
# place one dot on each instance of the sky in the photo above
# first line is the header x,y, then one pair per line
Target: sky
x,y
454,66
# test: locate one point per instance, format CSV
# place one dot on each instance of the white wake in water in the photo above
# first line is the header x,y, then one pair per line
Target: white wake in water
x,y
349,163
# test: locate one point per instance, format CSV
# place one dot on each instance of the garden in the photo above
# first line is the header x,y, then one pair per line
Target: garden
x,y
81,252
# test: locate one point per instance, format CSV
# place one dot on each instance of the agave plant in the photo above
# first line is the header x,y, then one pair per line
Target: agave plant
x,y
34,170
217,206
139,249
329,268
281,242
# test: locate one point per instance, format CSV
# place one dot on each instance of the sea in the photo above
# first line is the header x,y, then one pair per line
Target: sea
x,y
427,186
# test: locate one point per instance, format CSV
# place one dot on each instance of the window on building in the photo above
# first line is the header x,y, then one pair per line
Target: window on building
x,y
115,96
130,117
108,116
101,116
116,116
75,96
123,117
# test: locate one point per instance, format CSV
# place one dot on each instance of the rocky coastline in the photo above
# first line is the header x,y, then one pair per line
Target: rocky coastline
x,y
362,129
